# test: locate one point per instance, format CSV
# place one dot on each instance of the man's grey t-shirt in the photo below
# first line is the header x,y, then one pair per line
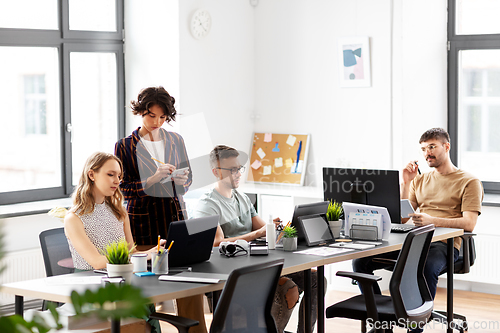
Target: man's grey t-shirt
x,y
235,213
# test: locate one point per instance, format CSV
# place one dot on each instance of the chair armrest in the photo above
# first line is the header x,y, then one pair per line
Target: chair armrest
x,y
182,324
468,251
366,281
388,262
467,235
360,277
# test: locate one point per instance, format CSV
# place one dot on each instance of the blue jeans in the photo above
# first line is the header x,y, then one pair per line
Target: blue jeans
x,y
436,262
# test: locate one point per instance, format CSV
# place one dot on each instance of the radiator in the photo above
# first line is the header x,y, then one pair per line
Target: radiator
x,y
20,266
486,268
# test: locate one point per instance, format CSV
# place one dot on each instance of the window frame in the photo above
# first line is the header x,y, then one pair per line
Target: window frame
x,y
67,41
457,43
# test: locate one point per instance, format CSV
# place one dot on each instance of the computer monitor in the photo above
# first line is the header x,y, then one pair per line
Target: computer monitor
x,y
364,186
304,210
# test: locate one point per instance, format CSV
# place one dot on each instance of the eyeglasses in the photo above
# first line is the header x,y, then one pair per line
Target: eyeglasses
x,y
430,148
234,171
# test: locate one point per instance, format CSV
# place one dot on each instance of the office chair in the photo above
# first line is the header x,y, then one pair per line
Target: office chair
x,y
246,300
465,260
410,303
55,248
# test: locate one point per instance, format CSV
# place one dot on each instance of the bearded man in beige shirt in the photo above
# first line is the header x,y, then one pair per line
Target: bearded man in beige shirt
x,y
446,197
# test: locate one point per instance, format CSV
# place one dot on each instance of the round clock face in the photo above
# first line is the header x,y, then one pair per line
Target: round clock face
x,y
200,23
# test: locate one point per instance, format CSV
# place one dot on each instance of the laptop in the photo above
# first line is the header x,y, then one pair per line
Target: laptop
x,y
193,240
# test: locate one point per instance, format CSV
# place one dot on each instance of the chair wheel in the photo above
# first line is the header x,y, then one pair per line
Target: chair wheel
x,y
465,325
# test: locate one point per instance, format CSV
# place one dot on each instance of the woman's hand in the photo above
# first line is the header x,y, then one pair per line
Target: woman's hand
x,y
163,171
182,178
154,249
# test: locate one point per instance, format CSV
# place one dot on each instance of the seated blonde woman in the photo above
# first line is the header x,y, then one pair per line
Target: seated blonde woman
x,y
97,216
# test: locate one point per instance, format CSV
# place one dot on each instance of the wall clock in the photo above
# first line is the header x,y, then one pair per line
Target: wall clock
x,y
201,22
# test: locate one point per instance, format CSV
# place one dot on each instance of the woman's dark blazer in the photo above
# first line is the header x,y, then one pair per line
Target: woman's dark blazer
x,y
151,210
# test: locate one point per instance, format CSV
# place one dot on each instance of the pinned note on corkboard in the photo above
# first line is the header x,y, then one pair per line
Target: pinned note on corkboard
x,y
278,158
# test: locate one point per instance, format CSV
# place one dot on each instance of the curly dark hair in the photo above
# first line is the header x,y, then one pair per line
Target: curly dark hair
x,y
221,152
154,96
436,133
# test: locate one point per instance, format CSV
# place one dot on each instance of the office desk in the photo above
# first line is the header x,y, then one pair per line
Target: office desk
x,y
159,291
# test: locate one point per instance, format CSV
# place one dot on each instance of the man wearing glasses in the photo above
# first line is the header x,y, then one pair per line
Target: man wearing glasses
x,y
445,196
239,220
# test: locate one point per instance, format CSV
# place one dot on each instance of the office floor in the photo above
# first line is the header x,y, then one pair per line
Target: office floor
x,y
481,311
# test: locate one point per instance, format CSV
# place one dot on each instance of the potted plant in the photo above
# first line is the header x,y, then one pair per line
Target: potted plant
x,y
118,255
289,238
333,214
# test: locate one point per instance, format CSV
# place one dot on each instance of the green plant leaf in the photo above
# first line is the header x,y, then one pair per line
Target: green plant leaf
x,y
117,253
334,211
112,301
289,232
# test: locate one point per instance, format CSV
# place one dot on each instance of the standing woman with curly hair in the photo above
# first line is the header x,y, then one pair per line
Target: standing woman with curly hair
x,y
149,156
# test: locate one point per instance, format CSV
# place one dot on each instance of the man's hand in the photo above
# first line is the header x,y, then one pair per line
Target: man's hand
x,y
409,172
421,219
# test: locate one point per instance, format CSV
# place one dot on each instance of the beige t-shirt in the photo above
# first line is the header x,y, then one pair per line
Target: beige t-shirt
x,y
447,196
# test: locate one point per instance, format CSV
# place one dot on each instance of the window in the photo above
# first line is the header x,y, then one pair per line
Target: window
x,y
474,88
35,103
62,91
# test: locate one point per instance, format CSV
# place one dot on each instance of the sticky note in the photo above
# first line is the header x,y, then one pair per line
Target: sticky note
x,y
261,153
268,169
256,164
291,140
268,137
278,162
288,162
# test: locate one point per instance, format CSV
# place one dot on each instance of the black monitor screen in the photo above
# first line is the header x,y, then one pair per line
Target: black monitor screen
x,y
364,186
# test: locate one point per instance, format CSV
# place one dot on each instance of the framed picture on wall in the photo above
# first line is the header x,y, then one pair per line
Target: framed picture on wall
x,y
354,62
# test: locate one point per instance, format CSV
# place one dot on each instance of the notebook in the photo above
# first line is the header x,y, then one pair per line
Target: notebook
x,y
195,277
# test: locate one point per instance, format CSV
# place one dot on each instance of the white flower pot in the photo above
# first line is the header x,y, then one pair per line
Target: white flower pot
x,y
125,271
289,244
335,227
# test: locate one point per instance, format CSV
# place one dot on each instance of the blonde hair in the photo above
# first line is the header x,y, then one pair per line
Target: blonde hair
x,y
83,196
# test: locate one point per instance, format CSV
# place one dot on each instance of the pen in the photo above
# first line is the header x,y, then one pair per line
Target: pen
x,y
418,168
281,235
170,246
157,160
158,243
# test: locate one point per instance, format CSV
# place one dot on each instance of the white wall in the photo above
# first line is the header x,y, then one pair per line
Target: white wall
x,y
151,50
217,72
297,86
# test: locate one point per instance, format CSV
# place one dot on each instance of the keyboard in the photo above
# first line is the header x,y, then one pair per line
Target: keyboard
x,y
402,228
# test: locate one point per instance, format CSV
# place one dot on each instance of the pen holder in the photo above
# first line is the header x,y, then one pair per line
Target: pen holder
x,y
159,263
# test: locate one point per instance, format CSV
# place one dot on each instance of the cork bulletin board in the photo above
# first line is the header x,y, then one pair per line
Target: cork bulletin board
x,y
278,158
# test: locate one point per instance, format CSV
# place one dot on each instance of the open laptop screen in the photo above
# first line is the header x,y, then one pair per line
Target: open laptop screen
x,y
193,240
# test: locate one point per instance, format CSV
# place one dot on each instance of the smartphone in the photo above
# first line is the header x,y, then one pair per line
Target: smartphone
x,y
406,208
101,271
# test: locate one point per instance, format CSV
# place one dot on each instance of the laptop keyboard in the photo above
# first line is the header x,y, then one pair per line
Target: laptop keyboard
x,y
402,228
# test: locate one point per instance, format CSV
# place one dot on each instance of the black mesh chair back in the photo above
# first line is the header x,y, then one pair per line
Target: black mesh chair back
x,y
408,287
245,303
55,248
